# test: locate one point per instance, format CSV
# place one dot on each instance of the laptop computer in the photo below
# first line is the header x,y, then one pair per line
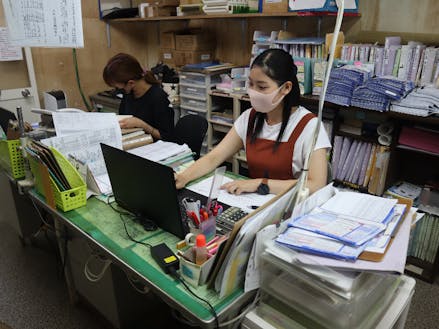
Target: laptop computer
x,y
147,189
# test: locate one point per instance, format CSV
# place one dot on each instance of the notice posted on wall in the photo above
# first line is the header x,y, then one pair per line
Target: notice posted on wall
x,y
44,23
8,52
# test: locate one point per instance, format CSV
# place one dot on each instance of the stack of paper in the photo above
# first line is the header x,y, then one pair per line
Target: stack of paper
x,y
344,226
78,137
170,154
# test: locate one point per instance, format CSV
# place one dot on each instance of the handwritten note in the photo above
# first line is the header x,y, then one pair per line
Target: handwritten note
x,y
45,23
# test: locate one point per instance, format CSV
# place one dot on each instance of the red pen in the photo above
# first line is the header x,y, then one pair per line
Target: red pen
x,y
194,217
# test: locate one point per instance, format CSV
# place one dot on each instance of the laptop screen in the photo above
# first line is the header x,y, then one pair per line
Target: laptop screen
x,y
145,188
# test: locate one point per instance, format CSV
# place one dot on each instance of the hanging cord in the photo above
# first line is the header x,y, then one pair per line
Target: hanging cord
x,y
301,189
78,81
92,276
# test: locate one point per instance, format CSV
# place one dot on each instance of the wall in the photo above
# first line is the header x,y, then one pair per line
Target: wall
x,y
54,67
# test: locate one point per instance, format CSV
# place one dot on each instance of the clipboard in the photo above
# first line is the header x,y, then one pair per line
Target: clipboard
x,y
378,257
220,258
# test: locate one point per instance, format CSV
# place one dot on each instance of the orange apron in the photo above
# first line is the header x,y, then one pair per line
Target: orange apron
x,y
263,163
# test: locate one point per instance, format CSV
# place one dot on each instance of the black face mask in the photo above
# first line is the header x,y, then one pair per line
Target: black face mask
x,y
118,91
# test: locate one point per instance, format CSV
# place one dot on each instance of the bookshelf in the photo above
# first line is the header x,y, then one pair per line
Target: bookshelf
x,y
233,105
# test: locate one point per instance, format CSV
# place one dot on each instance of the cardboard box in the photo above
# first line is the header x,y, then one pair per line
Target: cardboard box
x,y
167,40
191,57
155,11
190,2
163,3
167,56
190,42
274,6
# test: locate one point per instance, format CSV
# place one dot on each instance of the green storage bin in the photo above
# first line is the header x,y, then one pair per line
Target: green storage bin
x,y
64,200
11,158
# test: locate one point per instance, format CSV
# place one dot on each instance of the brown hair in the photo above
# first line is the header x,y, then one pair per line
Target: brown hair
x,y
123,67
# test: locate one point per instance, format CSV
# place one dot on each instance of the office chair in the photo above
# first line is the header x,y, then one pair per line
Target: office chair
x,y
5,116
191,130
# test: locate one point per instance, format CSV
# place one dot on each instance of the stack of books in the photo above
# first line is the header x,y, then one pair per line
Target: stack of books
x,y
135,137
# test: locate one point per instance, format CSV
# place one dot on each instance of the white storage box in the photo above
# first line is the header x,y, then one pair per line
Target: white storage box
x,y
318,297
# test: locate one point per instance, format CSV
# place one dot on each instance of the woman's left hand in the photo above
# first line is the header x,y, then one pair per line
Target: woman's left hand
x,y
131,123
241,186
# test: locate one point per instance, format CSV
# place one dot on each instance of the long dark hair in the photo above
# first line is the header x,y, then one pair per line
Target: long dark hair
x,y
279,66
123,67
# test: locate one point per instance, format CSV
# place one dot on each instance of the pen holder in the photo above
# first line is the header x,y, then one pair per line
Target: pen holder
x,y
194,274
206,227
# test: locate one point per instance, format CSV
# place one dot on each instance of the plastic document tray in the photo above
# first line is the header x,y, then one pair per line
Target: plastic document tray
x,y
11,158
311,297
64,200
195,104
194,91
202,80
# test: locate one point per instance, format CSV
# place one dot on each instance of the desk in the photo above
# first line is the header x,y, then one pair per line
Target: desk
x,y
103,228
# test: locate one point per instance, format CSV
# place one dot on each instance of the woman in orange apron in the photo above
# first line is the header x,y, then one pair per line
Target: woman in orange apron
x,y
276,133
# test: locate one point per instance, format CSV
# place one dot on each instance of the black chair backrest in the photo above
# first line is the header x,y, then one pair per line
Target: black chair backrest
x,y
5,116
191,130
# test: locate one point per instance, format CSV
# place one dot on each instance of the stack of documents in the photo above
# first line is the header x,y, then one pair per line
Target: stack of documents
x,y
345,226
377,93
78,137
170,154
420,102
212,7
343,81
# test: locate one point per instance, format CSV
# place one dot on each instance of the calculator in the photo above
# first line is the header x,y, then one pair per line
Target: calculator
x,y
228,218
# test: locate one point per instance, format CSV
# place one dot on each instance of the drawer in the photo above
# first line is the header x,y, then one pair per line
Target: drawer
x,y
199,79
196,104
194,91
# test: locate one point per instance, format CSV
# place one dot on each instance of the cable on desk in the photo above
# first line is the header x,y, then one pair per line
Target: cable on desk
x,y
174,273
243,313
92,276
121,214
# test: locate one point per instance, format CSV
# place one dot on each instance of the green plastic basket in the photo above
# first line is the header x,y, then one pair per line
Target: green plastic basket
x,y
11,158
64,200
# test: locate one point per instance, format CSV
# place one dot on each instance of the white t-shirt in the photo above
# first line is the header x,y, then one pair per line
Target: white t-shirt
x,y
303,142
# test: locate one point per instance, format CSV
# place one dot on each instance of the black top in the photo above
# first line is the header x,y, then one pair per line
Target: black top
x,y
153,108
5,116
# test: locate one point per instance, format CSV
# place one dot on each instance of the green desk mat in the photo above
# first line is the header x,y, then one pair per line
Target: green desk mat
x,y
105,225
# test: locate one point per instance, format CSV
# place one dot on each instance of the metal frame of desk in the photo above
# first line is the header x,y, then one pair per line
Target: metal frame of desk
x,y
230,310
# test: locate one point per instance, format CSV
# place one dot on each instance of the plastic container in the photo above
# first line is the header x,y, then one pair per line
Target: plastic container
x,y
195,104
194,91
64,200
200,249
11,158
199,79
319,297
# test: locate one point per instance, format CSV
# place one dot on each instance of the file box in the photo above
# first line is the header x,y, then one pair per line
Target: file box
x,y
64,200
309,295
11,158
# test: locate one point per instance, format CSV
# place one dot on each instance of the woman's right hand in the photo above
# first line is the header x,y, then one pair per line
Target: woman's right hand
x,y
180,180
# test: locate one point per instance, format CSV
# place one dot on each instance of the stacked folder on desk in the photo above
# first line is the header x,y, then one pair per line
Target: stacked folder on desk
x,y
345,226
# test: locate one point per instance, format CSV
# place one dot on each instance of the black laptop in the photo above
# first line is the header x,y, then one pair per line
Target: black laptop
x,y
147,189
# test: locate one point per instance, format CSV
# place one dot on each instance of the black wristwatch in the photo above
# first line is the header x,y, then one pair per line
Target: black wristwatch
x,y
263,188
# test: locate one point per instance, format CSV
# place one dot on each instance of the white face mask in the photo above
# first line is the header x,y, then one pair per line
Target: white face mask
x,y
264,102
